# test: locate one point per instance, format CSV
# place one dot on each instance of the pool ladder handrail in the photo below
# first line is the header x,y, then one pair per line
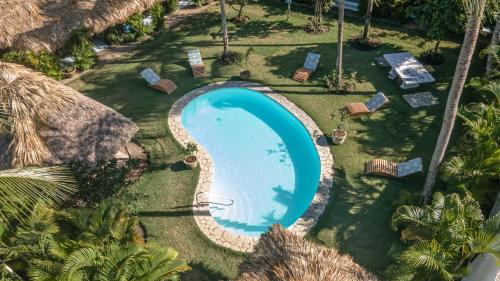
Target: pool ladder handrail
x,y
210,202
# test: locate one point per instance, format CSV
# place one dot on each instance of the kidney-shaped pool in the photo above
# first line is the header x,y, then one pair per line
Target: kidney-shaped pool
x,y
266,167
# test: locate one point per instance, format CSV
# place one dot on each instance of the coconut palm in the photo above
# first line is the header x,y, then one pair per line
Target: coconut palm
x,y
340,41
475,9
21,189
443,236
368,17
225,38
495,40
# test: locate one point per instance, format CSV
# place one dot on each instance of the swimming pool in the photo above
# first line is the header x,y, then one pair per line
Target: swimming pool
x,y
266,167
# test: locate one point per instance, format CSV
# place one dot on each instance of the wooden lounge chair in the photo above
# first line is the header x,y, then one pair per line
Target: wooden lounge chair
x,y
372,105
383,167
196,63
310,65
154,81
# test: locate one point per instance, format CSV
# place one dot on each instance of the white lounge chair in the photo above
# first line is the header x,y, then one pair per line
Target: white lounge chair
x,y
196,63
154,81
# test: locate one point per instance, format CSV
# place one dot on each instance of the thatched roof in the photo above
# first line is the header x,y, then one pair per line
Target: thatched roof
x,y
48,24
281,255
52,124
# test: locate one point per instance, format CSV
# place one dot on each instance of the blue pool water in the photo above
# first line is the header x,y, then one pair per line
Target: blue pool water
x,y
264,159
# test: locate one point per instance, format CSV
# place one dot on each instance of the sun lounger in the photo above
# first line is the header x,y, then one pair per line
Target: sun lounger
x,y
383,167
156,82
310,65
358,108
196,63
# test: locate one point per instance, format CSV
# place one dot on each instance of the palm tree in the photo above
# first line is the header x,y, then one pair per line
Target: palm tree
x,y
225,39
479,160
21,189
368,17
87,244
475,8
495,40
340,41
443,236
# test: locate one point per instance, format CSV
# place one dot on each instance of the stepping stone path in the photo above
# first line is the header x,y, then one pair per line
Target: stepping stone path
x,y
421,99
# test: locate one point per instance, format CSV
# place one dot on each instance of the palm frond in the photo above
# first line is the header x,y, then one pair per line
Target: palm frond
x,y
430,256
21,189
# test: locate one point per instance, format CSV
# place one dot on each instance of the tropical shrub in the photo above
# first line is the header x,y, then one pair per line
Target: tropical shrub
x,y
157,11
138,26
199,3
172,5
442,238
116,35
87,244
240,9
42,61
435,16
105,180
80,47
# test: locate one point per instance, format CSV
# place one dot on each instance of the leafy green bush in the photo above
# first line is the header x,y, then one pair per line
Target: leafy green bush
x,y
115,35
80,48
172,5
138,26
199,3
158,13
42,61
105,180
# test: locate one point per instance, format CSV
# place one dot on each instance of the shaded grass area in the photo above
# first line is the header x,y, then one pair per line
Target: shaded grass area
x,y
356,220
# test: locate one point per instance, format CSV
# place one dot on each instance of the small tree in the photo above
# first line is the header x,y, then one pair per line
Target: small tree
x,y
436,16
240,9
316,24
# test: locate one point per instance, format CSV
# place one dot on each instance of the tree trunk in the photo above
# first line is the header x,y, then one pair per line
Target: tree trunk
x,y
288,12
368,17
340,41
225,39
495,40
436,47
240,12
450,113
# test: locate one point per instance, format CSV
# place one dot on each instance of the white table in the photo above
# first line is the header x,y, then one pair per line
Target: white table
x,y
409,69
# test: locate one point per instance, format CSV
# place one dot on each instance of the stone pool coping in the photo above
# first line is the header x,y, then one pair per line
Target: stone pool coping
x,y
202,216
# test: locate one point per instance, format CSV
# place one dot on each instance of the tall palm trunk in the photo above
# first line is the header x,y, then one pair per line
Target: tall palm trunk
x,y
368,17
225,38
340,41
450,113
495,40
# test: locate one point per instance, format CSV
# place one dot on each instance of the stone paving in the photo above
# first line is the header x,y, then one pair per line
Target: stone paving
x,y
202,216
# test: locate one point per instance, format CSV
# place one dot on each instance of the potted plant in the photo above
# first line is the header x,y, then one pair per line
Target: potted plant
x,y
69,71
191,161
339,135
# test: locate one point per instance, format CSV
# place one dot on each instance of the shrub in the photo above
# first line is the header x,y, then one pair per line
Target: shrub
x,y
105,180
199,3
80,48
232,57
173,5
138,26
158,13
115,35
42,61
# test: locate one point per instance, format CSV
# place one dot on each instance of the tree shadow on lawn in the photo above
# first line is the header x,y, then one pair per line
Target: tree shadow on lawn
x,y
356,219
200,272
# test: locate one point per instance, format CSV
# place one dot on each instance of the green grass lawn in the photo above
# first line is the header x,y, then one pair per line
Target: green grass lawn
x,y
356,220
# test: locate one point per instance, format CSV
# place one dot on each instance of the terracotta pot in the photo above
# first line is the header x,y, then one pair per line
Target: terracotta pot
x,y
339,136
191,161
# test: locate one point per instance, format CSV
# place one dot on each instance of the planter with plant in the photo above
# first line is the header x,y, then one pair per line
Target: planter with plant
x,y
69,71
339,135
191,161
245,73
348,84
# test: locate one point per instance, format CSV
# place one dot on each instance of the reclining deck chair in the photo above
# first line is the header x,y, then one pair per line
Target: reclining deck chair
x,y
383,167
196,63
154,81
371,105
310,65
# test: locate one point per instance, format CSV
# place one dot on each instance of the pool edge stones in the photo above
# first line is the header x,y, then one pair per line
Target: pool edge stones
x,y
202,216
